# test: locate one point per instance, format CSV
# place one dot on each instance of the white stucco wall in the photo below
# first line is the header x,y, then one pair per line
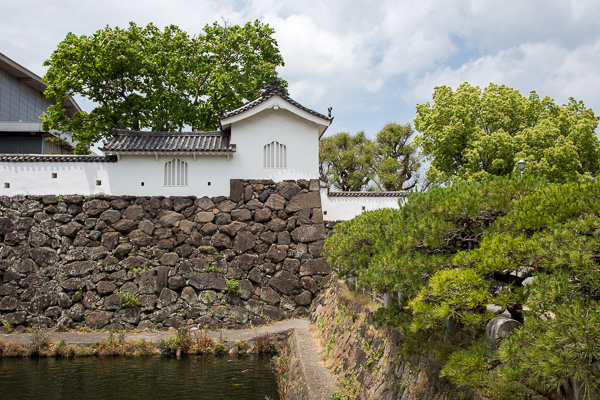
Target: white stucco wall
x,y
346,208
300,137
36,178
125,177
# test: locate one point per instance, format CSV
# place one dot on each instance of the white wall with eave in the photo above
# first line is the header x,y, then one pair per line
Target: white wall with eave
x,y
132,175
346,208
35,178
294,138
300,137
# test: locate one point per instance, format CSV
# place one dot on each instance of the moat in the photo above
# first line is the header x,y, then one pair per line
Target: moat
x,y
194,377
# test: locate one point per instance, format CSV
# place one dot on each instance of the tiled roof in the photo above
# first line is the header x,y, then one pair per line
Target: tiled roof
x,y
54,158
274,89
151,142
367,194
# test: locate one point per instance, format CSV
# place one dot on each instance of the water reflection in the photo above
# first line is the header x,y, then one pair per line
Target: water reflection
x,y
138,378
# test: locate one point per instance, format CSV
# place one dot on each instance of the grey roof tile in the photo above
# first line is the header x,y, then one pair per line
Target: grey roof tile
x,y
367,194
54,158
193,142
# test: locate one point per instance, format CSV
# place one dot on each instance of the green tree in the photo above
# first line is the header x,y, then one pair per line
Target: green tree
x,y
525,245
346,161
397,161
354,162
472,134
162,80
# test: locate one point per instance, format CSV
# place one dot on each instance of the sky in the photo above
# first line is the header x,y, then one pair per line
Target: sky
x,y
372,62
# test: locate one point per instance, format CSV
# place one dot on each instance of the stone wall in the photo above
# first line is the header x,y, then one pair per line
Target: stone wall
x,y
365,357
154,262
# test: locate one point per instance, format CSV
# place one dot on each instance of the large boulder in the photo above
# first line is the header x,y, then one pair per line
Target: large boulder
x,y
277,253
275,202
44,256
243,242
285,283
207,281
315,267
97,319
70,229
79,268
170,218
304,201
309,233
95,207
6,226
154,280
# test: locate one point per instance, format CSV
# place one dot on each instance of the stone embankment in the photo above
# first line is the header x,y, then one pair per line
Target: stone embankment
x,y
155,262
365,358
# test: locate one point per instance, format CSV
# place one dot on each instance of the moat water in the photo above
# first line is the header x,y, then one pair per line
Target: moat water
x,y
195,377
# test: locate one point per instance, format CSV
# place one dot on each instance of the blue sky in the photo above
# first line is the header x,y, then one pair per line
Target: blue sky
x,y
371,61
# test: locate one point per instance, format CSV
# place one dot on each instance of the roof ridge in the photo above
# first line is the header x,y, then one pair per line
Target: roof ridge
x,y
275,88
165,133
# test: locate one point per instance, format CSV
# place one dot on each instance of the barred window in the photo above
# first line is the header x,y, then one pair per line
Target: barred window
x,y
176,173
275,155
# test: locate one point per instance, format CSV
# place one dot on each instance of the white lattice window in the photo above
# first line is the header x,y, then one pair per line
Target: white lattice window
x,y
275,155
176,173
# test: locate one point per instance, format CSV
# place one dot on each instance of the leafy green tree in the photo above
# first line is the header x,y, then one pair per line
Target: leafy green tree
x,y
354,162
473,134
162,80
397,161
346,161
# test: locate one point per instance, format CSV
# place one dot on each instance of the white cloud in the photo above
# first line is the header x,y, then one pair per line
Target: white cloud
x,y
548,68
367,59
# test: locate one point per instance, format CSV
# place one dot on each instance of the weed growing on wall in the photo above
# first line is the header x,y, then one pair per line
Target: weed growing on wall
x,y
130,300
232,286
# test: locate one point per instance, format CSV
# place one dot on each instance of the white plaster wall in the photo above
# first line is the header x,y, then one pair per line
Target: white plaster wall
x,y
121,178
131,171
346,208
36,178
300,136
125,177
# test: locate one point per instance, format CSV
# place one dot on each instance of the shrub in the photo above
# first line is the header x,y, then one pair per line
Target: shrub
x,y
169,344
144,348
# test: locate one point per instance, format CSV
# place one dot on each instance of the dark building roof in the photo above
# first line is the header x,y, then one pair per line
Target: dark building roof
x,y
167,142
55,158
275,89
367,194
25,76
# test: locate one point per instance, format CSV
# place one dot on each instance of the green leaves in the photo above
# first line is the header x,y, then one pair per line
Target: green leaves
x,y
354,162
525,245
145,78
471,134
346,161
453,294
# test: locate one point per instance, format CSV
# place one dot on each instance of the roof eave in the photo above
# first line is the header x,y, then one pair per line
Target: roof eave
x,y
35,82
169,152
276,102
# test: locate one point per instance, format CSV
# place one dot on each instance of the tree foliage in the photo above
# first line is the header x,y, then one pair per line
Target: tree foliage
x,y
354,162
397,161
346,161
162,80
526,245
474,134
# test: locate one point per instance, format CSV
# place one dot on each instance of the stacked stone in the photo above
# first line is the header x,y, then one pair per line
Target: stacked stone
x,y
249,258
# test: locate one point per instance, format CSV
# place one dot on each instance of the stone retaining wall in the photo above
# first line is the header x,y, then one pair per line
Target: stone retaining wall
x,y
365,357
154,262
